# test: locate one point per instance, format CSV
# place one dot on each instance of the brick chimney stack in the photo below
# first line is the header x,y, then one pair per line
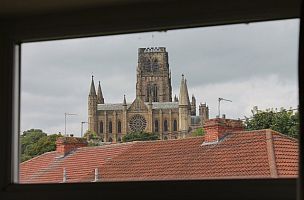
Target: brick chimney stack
x,y
64,145
216,128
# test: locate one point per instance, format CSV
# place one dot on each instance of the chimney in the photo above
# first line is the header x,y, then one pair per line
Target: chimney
x,y
64,145
217,128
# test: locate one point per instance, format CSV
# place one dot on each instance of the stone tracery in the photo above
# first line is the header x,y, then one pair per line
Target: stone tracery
x,y
137,123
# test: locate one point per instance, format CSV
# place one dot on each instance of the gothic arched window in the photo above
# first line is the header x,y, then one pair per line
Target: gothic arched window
x,y
119,127
175,125
110,127
165,125
154,93
156,126
155,65
101,127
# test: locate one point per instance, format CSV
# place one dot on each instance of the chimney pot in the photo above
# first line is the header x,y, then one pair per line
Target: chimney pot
x,y
223,116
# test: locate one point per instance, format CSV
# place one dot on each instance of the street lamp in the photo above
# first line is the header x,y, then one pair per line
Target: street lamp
x,y
65,116
219,105
82,127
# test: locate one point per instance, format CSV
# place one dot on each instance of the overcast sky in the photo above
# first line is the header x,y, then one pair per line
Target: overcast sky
x,y
251,64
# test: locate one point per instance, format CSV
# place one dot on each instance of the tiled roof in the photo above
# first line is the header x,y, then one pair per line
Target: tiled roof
x,y
78,164
155,105
286,154
245,154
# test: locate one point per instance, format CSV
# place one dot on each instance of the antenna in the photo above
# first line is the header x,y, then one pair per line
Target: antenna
x,y
65,116
82,127
219,104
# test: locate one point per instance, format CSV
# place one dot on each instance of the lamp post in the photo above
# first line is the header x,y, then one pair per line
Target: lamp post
x,y
82,127
219,105
65,116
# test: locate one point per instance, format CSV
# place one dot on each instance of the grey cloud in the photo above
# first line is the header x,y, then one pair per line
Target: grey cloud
x,y
57,74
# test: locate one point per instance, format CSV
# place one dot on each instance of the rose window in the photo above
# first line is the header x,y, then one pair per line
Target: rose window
x,y
137,123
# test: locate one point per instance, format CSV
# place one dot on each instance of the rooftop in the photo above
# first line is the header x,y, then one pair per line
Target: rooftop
x,y
155,105
243,154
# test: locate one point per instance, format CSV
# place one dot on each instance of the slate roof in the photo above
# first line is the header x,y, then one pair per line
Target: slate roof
x,y
111,106
245,154
164,105
155,105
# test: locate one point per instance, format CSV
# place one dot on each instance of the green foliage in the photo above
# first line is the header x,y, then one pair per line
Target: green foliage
x,y
140,136
283,121
35,142
93,138
198,132
90,135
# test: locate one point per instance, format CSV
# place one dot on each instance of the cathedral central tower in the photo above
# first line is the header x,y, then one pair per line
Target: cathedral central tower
x,y
153,75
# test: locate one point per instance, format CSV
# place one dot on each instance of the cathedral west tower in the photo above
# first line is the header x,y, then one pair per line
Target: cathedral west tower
x,y
153,75
152,110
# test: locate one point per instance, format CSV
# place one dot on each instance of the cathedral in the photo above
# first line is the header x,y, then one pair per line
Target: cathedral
x,y
153,109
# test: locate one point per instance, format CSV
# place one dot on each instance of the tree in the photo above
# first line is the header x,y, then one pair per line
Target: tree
x,y
90,135
35,142
198,132
140,136
30,137
283,121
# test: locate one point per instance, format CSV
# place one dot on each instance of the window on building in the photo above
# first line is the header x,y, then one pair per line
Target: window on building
x,y
155,93
156,126
149,93
119,127
110,127
101,127
175,125
165,125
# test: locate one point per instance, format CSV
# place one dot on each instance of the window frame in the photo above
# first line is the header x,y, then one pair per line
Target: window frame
x,y
104,20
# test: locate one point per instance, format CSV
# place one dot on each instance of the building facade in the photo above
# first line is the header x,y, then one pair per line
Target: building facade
x,y
153,109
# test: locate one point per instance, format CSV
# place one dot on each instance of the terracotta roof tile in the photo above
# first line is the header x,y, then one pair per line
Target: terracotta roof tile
x,y
238,155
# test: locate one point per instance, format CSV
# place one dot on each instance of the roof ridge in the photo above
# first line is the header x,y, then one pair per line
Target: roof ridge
x,y
106,145
249,131
140,141
36,157
283,135
171,140
271,154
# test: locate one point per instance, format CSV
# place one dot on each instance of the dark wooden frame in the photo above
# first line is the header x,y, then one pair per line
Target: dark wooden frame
x,y
128,18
